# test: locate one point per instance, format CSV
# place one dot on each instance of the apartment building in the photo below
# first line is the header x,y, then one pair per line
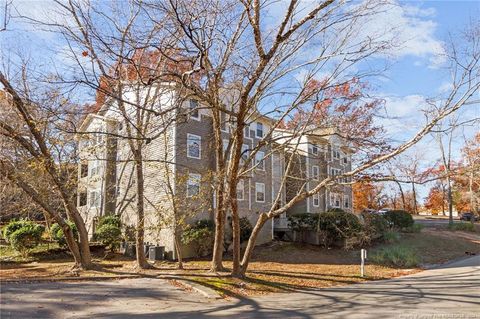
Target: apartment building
x,y
315,156
178,161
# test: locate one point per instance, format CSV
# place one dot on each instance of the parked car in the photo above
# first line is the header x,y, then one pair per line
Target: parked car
x,y
383,211
469,216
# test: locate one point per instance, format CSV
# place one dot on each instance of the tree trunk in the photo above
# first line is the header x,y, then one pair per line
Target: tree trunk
x,y
262,219
178,249
414,193
450,200
217,254
235,239
402,194
82,235
217,257
140,233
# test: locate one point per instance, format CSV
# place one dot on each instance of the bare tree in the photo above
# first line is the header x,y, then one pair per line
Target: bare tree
x,y
29,127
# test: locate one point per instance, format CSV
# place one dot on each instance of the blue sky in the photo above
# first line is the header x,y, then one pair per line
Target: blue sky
x,y
415,73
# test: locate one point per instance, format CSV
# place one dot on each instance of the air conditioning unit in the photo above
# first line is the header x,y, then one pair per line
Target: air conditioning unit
x,y
156,252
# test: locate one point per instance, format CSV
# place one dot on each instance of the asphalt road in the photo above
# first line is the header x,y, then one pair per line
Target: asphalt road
x,y
452,291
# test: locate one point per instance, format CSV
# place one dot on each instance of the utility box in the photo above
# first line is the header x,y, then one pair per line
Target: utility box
x,y
156,252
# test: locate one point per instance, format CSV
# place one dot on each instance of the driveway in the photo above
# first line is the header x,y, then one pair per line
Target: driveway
x,y
452,291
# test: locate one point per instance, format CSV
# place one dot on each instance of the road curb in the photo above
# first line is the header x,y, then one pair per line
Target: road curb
x,y
208,293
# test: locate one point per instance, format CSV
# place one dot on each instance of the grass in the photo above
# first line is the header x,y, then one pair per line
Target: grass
x,y
415,228
397,256
431,246
470,227
391,236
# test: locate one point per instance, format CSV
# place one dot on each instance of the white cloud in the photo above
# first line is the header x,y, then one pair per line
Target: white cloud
x,y
402,116
411,28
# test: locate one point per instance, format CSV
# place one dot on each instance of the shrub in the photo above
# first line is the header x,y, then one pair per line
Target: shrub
x,y
338,225
109,235
201,235
56,232
415,228
462,227
399,219
13,226
330,226
391,236
110,220
26,237
398,256
375,225
108,231
301,222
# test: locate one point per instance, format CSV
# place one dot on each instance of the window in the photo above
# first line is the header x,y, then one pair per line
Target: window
x,y
95,168
345,160
194,143
316,200
260,192
259,130
194,113
346,201
241,189
314,149
335,171
120,126
259,162
82,199
335,153
84,169
245,152
94,199
315,172
193,184
334,200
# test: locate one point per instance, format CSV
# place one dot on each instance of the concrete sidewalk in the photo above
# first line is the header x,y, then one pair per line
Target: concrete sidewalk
x,y
452,291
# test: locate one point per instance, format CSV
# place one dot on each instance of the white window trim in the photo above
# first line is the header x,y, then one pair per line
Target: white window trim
x,y
196,118
335,196
316,196
97,201
256,192
193,177
260,160
190,137
256,130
